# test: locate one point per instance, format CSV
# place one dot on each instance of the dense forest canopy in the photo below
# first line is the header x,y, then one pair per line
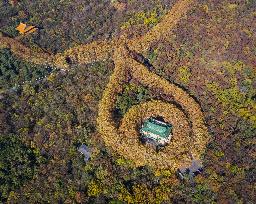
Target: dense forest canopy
x,y
47,113
18,164
14,72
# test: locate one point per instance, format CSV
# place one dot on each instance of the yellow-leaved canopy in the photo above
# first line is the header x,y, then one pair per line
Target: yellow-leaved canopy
x,y
24,29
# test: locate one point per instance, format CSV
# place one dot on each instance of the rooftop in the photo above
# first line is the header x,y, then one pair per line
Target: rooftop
x,y
157,127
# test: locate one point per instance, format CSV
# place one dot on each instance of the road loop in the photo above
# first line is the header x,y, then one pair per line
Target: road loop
x,y
190,134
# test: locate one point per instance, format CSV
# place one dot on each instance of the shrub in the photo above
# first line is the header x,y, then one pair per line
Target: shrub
x,y
131,95
93,189
149,18
184,74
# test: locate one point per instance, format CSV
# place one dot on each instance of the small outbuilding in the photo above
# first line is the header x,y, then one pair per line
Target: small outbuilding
x,y
83,149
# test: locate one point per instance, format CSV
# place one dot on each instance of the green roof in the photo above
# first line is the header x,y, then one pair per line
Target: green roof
x,y
157,127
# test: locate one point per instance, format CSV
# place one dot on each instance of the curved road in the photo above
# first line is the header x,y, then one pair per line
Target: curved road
x,y
99,50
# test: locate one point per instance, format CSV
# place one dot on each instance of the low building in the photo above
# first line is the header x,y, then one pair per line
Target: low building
x,y
83,149
156,131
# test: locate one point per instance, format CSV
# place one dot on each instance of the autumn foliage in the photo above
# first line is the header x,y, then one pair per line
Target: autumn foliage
x,y
190,132
98,50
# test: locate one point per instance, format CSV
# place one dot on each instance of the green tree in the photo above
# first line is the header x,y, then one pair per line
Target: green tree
x,y
17,164
14,71
131,95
